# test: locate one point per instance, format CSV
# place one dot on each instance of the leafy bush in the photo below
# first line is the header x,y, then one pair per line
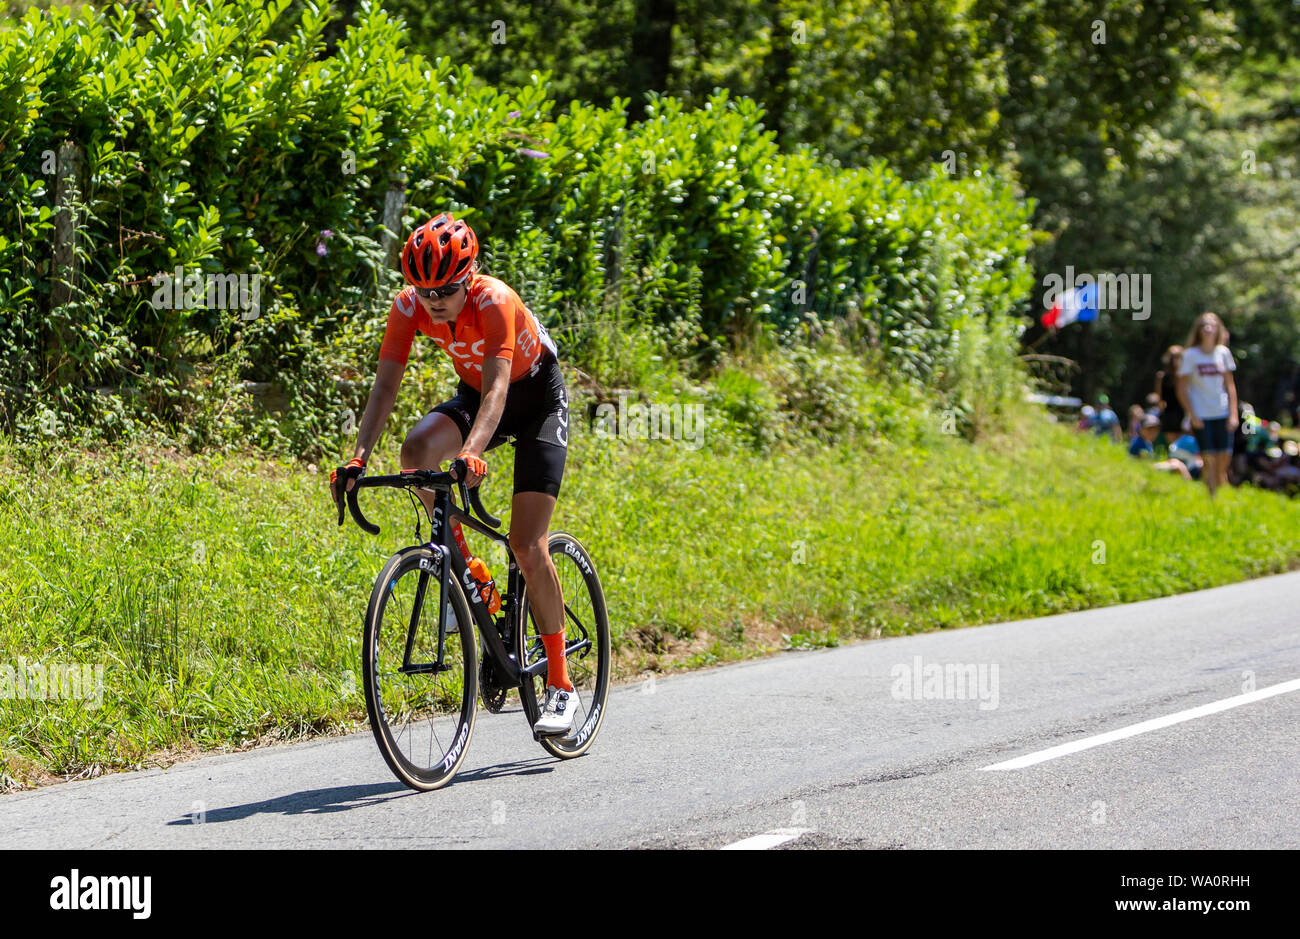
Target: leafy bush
x,y
221,137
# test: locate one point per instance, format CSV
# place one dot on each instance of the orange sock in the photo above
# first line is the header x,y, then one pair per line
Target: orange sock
x,y
557,667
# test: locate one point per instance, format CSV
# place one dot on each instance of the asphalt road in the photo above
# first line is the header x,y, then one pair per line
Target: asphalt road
x,y
834,748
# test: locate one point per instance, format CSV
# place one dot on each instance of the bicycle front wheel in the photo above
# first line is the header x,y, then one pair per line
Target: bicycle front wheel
x,y
586,635
420,692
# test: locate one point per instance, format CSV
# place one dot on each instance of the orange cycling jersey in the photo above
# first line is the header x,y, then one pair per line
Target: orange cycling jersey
x,y
494,324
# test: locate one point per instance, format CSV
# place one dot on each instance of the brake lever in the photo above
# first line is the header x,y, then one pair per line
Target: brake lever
x,y
460,468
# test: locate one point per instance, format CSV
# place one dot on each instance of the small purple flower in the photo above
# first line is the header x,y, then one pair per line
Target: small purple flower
x,y
321,249
327,234
513,114
320,242
535,154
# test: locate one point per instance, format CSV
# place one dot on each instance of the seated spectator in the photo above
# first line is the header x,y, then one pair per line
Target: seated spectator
x,y
1276,468
1135,415
1186,451
1143,447
1087,417
1173,466
1107,420
1143,442
1289,473
1152,404
1248,442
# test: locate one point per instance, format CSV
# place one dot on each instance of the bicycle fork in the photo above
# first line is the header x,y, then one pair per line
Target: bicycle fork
x,y
442,565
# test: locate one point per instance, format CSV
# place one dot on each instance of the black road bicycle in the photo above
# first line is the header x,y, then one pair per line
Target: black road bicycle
x,y
419,658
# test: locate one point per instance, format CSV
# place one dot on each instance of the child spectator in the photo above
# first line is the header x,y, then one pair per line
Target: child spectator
x,y
1142,446
1107,420
1135,416
1143,442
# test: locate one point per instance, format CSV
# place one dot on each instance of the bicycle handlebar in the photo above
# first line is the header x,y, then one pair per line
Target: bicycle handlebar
x,y
421,479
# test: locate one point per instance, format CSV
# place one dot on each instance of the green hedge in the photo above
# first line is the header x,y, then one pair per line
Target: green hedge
x,y
221,137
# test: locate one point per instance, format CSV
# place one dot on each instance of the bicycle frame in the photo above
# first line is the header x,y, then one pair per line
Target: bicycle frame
x,y
442,544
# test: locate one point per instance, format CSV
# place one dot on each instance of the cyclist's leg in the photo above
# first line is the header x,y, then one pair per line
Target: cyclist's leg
x,y
530,527
540,454
530,524
437,438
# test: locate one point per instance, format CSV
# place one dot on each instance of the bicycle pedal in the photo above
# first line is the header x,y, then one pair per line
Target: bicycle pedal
x,y
558,734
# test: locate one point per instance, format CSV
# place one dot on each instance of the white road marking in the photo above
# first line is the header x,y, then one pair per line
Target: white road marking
x,y
769,839
1133,730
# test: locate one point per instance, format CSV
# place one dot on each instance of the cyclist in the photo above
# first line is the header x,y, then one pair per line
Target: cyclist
x,y
510,386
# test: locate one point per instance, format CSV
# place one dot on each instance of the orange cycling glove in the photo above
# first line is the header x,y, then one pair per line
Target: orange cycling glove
x,y
355,469
355,463
475,463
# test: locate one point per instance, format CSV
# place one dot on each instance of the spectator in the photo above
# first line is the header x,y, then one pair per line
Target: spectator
x,y
1135,416
1186,451
1277,469
1172,416
1143,447
1174,466
1087,417
1245,445
1208,394
1289,471
1286,399
1142,444
1107,420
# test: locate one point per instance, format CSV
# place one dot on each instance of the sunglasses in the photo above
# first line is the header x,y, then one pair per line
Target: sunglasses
x,y
430,292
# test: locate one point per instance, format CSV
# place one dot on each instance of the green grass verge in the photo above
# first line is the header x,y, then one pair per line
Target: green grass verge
x,y
225,606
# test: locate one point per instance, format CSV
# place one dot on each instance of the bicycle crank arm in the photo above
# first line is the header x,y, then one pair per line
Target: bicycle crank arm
x,y
428,668
538,667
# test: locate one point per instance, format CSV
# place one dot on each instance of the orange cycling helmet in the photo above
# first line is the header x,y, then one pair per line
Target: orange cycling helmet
x,y
439,252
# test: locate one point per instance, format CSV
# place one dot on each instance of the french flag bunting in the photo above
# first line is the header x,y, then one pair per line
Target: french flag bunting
x,y
1078,303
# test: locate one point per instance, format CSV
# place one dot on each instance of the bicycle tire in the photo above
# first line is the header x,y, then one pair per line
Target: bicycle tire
x,y
449,705
589,670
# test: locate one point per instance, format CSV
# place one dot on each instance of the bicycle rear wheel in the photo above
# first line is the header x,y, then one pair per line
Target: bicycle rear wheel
x,y
422,702
585,620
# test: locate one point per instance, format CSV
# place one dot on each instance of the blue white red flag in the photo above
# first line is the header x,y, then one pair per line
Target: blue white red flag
x,y
1077,304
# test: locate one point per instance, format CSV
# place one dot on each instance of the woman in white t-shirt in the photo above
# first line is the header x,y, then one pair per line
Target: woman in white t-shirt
x,y
1209,395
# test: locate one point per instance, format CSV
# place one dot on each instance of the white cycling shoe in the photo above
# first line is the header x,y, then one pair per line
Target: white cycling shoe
x,y
558,713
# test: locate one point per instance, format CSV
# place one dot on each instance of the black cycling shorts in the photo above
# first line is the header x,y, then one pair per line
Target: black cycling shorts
x,y
536,415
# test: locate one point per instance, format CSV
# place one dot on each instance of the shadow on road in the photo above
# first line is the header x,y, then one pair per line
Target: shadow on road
x,y
540,764
311,802
345,798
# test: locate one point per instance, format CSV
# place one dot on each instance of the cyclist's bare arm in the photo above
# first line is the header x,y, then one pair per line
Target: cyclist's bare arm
x,y
383,395
496,384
